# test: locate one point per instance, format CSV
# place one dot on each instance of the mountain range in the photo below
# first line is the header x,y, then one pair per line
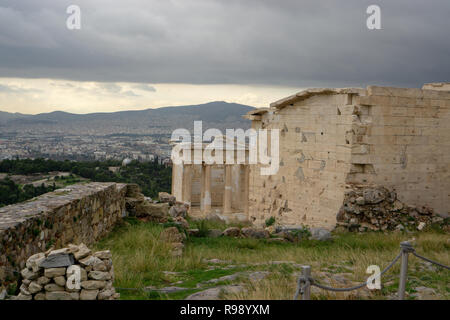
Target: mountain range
x,y
218,114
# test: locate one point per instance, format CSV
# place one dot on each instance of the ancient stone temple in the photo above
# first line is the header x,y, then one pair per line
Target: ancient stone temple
x,y
332,141
213,188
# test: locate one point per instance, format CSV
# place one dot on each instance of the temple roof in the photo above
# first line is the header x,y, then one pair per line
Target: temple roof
x,y
302,95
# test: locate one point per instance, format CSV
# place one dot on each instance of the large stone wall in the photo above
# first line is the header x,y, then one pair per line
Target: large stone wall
x,y
77,214
333,139
314,158
406,145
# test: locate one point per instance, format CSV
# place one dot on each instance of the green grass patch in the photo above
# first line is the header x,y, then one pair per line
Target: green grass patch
x,y
141,260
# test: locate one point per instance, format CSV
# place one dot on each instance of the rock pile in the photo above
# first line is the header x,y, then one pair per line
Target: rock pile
x,y
167,210
173,236
72,273
278,233
377,208
139,206
246,232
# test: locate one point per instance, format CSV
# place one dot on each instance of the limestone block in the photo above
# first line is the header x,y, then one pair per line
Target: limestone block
x,y
53,287
54,272
58,295
88,294
93,284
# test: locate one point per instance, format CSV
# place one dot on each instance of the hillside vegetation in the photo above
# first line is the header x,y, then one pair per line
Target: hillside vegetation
x,y
11,193
150,176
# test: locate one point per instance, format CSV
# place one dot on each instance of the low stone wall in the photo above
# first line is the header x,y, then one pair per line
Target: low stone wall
x,y
72,273
76,214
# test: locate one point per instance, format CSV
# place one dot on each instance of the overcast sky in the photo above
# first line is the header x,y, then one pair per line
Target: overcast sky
x,y
137,54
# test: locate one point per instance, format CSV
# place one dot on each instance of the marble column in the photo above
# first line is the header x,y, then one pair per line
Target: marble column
x,y
246,188
206,196
187,183
227,195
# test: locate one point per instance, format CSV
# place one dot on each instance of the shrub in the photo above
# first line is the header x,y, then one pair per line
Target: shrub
x,y
203,229
270,221
302,233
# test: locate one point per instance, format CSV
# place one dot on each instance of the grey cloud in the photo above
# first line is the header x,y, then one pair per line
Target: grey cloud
x,y
14,89
130,93
63,85
144,87
113,88
289,42
110,87
103,89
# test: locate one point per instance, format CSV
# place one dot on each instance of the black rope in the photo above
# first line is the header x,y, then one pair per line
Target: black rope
x,y
321,286
429,260
406,248
359,286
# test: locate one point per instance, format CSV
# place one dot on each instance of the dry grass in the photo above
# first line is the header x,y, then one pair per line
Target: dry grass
x,y
140,259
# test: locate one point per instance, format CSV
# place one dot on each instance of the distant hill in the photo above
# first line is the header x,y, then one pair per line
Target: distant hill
x,y
216,114
6,116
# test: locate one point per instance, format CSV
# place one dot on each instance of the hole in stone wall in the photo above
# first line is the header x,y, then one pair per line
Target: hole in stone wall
x,y
362,168
349,99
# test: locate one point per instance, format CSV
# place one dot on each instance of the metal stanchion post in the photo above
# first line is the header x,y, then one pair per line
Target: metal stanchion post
x,y
306,270
406,249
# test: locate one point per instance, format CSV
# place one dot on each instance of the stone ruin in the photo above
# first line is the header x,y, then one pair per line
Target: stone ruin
x,y
52,276
375,208
165,210
82,213
45,274
330,138
139,206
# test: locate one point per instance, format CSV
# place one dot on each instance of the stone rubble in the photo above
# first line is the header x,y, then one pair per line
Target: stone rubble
x,y
251,275
232,232
158,211
215,293
255,233
176,238
376,208
50,275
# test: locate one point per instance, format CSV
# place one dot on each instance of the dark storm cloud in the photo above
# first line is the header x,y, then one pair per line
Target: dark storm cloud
x,y
279,42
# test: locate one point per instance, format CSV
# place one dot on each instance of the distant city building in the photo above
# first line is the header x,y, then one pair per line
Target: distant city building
x,y
126,161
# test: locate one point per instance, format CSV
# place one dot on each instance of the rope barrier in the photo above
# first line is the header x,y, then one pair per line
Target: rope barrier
x,y
304,282
359,286
299,287
429,260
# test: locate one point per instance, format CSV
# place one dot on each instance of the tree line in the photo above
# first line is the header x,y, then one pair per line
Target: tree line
x,y
151,176
11,193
